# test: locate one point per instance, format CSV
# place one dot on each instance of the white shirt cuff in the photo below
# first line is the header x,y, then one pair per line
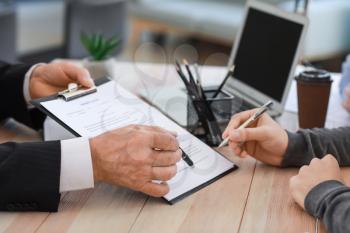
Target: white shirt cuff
x,y
26,83
76,165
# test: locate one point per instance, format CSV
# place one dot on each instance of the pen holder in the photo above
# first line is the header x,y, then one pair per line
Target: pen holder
x,y
222,108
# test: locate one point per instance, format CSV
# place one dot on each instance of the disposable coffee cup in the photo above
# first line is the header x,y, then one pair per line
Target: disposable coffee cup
x,y
313,88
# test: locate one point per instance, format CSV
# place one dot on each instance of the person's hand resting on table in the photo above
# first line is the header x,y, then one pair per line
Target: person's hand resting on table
x,y
318,171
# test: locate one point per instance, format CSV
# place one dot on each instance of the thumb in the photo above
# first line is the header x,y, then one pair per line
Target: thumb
x,y
249,134
78,74
84,78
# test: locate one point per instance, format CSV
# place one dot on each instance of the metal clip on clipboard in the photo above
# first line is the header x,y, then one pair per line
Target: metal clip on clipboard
x,y
75,91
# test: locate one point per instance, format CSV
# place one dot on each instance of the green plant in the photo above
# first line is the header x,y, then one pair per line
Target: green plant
x,y
98,46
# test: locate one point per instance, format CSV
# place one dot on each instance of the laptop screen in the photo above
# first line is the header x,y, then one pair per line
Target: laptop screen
x,y
266,52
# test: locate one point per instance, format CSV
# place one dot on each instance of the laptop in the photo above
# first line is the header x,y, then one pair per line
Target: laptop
x,y
265,54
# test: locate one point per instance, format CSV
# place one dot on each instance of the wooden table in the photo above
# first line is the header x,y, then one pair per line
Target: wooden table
x,y
255,198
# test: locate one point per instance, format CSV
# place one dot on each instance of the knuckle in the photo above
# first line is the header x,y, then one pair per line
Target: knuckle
x,y
146,137
292,181
171,172
171,141
234,117
303,169
137,140
171,159
329,158
162,190
165,190
314,161
168,175
156,128
244,134
234,121
178,155
175,143
142,188
134,127
151,154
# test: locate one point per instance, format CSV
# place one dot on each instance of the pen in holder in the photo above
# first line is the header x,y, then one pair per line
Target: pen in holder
x,y
206,108
206,128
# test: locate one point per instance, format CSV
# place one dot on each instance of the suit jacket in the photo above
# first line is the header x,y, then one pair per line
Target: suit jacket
x,y
29,172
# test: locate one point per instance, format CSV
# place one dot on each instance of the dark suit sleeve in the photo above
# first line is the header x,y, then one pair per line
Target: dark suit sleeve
x,y
12,101
29,172
30,176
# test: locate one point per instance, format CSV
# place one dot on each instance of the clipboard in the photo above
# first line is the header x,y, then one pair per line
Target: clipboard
x,y
37,103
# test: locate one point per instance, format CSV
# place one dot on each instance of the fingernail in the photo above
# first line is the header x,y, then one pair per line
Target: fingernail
x,y
224,134
91,81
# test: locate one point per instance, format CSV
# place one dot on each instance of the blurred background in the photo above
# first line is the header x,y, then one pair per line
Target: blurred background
x,y
154,30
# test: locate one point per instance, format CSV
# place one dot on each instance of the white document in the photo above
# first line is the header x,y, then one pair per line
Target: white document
x,y
112,107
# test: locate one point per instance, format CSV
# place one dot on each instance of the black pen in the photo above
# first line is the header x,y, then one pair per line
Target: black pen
x,y
181,74
228,75
187,159
202,107
188,87
178,65
199,82
191,89
184,156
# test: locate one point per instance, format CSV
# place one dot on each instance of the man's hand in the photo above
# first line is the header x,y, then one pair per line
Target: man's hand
x,y
346,102
318,171
265,140
51,78
134,156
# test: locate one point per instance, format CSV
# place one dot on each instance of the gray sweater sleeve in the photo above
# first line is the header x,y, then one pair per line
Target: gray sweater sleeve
x,y
316,143
330,200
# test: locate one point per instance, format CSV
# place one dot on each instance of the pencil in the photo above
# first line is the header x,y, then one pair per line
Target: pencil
x,y
228,75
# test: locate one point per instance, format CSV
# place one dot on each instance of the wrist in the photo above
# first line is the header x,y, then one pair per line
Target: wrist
x,y
298,152
35,73
284,147
94,157
317,198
